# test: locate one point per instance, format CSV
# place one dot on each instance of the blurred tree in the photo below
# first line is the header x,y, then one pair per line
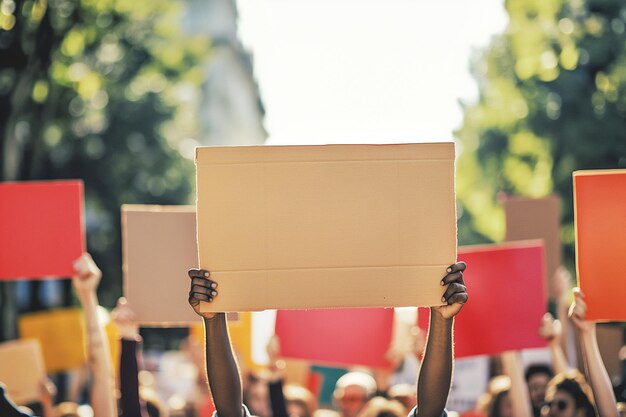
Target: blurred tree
x,y
106,91
552,100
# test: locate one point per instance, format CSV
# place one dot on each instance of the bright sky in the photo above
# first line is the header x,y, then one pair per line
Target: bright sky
x,y
362,71
365,71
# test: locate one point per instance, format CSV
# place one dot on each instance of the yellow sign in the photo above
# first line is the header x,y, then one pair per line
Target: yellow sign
x,y
62,337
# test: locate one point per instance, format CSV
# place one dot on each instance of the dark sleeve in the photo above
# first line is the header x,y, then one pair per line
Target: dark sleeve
x,y
277,399
130,406
7,407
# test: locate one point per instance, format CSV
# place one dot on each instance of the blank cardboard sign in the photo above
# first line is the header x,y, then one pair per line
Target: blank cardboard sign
x,y
159,246
536,218
600,222
291,227
41,228
507,299
21,369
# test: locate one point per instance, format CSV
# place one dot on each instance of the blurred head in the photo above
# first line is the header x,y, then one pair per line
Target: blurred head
x,y
496,401
568,395
537,378
501,405
405,394
352,391
382,407
300,401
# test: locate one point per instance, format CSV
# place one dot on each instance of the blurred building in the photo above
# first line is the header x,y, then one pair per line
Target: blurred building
x,y
231,112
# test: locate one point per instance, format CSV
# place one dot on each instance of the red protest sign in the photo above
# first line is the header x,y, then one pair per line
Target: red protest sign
x,y
359,336
507,299
41,228
600,220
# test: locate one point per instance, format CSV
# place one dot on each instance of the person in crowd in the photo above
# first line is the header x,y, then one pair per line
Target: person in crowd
x,y
537,378
352,391
382,407
290,400
85,283
595,370
568,395
435,374
496,402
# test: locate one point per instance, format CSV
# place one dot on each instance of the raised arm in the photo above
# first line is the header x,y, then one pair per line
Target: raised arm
x,y
103,388
124,319
594,367
512,367
221,367
551,330
435,374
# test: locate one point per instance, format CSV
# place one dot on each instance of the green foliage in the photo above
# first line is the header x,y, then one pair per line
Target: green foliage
x,y
552,100
106,91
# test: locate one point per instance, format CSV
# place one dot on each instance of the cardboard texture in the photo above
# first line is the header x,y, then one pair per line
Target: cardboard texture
x,y
600,223
159,246
505,283
536,218
21,370
42,232
240,331
291,227
358,336
61,335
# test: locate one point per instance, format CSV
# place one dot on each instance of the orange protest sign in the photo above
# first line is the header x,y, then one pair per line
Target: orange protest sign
x,y
600,221
22,369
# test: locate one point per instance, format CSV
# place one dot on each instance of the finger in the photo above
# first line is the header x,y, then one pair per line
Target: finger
x,y
199,289
458,298
459,266
581,303
453,289
198,273
451,277
203,282
578,293
195,298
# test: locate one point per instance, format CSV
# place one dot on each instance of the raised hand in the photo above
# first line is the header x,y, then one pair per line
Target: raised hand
x,y
87,276
202,289
456,294
578,313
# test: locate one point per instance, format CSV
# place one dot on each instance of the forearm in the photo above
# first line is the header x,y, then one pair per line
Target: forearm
x,y
221,368
103,388
520,399
566,341
435,374
130,405
559,361
598,376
